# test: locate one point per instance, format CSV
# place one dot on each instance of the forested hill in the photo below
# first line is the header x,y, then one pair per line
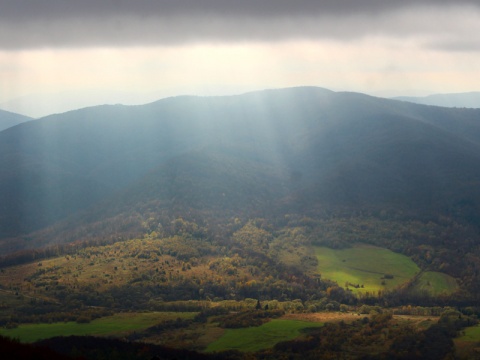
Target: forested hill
x,y
9,119
268,152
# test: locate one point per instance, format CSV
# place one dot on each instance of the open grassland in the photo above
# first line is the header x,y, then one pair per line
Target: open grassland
x,y
466,344
362,268
118,324
436,283
471,333
261,337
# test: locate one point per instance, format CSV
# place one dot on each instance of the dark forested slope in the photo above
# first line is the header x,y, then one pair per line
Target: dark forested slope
x,y
284,150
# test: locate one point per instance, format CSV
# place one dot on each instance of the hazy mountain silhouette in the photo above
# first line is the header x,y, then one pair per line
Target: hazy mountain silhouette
x,y
275,150
9,119
44,104
460,100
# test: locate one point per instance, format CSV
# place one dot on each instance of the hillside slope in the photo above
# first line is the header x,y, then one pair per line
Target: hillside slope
x,y
294,149
9,119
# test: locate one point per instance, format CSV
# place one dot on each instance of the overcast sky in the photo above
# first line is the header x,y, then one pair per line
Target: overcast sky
x,y
65,54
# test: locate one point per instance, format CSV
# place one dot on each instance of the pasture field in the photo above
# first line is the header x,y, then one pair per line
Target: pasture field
x,y
467,344
436,283
471,333
362,268
261,337
117,324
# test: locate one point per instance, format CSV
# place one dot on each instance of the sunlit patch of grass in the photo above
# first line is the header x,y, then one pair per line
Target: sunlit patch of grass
x,y
471,333
262,337
112,325
364,268
436,283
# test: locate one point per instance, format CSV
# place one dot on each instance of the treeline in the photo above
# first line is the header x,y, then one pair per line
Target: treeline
x,y
30,255
249,318
379,337
41,313
96,348
14,350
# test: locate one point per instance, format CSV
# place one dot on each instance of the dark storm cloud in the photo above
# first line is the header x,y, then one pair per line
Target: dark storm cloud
x,y
66,23
50,9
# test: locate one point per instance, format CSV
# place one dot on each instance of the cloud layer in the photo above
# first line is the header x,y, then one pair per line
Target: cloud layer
x,y
88,23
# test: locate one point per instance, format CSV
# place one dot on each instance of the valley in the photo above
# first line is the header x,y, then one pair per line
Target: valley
x,y
186,292
283,223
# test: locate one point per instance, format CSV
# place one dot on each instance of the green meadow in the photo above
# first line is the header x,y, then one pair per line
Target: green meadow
x,y
112,325
436,283
466,344
261,337
365,266
471,333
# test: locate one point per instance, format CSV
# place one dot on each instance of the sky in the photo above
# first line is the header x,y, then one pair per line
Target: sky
x,y
57,55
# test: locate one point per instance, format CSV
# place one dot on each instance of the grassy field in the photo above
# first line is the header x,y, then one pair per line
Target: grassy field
x,y
112,325
471,333
261,337
467,344
365,265
436,283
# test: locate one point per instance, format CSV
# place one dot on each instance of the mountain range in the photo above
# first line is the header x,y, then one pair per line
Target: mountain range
x,y
267,153
459,100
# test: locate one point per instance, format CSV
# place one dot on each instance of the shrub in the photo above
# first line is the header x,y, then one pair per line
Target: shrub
x,y
83,319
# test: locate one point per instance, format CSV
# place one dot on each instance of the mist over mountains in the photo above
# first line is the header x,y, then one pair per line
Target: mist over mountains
x,y
44,104
261,153
460,100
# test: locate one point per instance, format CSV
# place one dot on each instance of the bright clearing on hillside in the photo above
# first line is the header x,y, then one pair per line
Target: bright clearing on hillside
x,y
436,283
364,268
471,333
261,337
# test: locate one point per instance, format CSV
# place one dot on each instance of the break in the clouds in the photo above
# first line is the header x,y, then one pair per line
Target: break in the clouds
x,y
26,24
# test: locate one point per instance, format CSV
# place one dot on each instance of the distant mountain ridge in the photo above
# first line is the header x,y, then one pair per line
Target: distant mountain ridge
x,y
459,100
45,104
266,152
9,119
